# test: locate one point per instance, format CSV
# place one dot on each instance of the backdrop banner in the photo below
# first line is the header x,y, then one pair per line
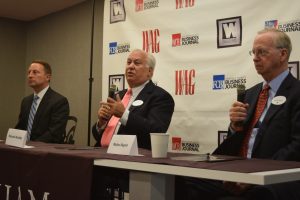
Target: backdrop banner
x,y
202,51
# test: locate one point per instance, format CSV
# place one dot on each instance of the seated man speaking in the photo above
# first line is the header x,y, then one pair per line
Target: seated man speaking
x,y
144,107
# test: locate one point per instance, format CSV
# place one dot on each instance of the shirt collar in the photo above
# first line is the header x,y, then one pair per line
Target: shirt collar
x,y
138,89
42,92
276,82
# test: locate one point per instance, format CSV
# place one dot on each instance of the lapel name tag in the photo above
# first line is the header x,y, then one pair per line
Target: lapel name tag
x,y
123,145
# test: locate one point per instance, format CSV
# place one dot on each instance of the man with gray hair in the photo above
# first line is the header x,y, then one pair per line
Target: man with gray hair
x,y
265,125
141,109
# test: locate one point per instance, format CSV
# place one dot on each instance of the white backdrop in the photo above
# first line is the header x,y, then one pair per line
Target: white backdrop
x,y
201,47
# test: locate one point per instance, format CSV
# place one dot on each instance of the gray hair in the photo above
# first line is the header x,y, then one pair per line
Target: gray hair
x,y
281,40
151,61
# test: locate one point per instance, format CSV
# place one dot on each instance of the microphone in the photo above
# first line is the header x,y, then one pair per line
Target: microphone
x,y
112,90
241,92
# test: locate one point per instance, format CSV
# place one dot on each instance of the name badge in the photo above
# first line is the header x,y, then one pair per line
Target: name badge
x,y
278,100
123,145
137,103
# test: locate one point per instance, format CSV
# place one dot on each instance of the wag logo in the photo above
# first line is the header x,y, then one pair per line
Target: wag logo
x,y
151,41
141,5
185,82
184,4
229,32
115,48
221,83
117,11
178,40
271,24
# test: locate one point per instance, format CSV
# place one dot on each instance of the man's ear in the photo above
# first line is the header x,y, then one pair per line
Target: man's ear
x,y
49,77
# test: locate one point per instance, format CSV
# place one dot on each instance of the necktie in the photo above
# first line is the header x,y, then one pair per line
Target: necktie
x,y
113,122
260,106
31,116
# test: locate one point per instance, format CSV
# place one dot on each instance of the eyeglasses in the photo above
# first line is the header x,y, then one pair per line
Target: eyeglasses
x,y
260,52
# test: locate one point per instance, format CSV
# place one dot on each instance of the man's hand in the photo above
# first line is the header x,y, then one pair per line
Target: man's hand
x,y
236,188
104,113
116,106
237,114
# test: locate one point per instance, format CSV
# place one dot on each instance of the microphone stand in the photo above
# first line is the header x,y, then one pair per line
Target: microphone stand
x,y
91,79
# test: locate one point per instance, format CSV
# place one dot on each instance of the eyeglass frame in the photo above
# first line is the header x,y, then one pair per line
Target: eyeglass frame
x,y
261,52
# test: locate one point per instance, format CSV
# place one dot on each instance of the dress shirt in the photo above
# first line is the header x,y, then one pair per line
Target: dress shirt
x,y
274,85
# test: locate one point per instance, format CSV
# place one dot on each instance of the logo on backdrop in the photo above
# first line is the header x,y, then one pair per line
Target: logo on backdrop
x,y
222,135
118,80
115,48
185,82
184,3
179,145
221,83
151,41
178,39
294,68
229,32
141,5
117,11
271,24
289,26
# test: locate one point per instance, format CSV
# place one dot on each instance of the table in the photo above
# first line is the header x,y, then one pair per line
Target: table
x,y
61,171
151,181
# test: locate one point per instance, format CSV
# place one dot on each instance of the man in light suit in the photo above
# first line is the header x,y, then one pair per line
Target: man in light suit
x,y
276,135
52,109
149,110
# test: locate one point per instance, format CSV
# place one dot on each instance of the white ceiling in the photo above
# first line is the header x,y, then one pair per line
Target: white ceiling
x,y
27,10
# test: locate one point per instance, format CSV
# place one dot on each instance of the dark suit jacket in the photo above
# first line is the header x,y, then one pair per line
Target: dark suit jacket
x,y
279,134
154,115
50,119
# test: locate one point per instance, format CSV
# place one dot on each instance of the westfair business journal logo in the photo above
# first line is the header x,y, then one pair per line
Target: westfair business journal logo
x,y
181,40
115,48
141,5
221,83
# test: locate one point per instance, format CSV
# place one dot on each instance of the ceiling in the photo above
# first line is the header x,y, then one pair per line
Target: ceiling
x,y
27,10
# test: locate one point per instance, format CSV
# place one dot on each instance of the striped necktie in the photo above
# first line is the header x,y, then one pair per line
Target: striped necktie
x,y
31,116
260,106
113,122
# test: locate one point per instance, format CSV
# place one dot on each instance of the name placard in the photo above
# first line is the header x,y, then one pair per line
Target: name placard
x,y
123,145
16,138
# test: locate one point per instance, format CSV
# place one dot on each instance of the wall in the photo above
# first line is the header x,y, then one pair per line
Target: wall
x,y
12,48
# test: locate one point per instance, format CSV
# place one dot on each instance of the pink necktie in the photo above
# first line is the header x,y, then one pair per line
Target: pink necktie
x,y
260,106
113,122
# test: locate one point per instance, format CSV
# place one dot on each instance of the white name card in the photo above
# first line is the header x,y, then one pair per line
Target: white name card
x,y
16,138
123,145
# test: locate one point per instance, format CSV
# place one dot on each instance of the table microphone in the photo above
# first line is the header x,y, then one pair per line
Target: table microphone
x,y
112,90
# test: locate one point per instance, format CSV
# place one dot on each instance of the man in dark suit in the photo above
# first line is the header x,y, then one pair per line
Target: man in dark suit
x,y
150,107
48,122
276,132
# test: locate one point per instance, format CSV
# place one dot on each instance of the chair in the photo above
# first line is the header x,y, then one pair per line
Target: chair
x,y
71,127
